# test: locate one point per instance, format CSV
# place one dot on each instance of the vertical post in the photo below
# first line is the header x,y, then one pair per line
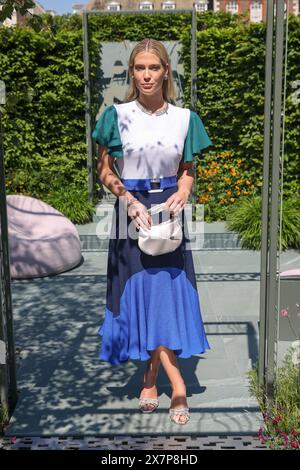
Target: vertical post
x,y
87,94
194,67
194,70
7,360
269,304
272,313
265,194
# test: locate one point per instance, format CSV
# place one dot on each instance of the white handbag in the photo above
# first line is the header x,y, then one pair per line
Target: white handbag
x,y
161,238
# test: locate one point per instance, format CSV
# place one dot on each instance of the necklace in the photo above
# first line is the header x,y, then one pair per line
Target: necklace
x,y
156,113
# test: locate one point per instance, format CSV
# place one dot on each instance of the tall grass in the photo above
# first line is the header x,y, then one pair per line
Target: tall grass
x,y
245,219
281,428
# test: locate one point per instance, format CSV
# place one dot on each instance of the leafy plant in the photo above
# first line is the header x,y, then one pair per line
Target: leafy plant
x,y
245,218
72,202
281,429
44,118
8,7
230,92
222,180
3,418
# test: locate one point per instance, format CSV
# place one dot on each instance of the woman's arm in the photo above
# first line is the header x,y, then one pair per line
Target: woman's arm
x,y
185,179
105,170
108,177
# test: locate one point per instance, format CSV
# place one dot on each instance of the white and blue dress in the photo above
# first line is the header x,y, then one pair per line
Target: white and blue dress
x,y
150,300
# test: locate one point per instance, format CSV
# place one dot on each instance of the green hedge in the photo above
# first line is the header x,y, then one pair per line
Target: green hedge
x,y
230,78
44,119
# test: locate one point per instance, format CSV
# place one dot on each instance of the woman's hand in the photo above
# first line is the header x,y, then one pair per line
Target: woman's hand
x,y
177,201
138,212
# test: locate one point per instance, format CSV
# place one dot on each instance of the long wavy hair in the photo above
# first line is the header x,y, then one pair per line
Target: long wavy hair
x,y
157,48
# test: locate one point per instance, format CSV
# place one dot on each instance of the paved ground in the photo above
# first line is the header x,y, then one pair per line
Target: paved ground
x,y
64,390
143,442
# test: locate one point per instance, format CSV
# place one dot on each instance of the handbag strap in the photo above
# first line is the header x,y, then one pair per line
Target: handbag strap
x,y
159,208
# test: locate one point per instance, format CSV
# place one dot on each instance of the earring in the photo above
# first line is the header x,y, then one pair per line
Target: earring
x,y
166,77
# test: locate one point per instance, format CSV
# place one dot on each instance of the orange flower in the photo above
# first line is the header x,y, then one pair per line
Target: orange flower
x,y
247,182
225,165
232,199
239,160
228,192
210,188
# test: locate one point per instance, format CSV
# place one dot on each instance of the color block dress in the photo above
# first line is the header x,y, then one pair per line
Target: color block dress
x,y
150,300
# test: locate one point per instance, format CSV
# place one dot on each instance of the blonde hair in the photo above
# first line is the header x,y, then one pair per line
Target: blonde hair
x,y
157,48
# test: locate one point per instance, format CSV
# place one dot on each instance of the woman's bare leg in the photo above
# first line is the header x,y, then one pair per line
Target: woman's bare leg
x,y
149,389
169,362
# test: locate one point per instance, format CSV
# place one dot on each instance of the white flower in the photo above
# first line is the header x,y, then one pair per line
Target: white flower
x,y
295,358
296,353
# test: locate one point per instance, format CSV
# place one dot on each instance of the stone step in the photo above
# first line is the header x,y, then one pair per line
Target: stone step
x,y
208,241
215,237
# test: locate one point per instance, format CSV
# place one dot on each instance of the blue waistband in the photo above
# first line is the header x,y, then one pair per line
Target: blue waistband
x,y
145,184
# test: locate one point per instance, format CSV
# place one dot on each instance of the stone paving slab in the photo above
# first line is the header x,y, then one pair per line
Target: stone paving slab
x,y
65,390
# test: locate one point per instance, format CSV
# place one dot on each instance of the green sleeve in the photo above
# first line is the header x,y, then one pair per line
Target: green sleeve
x,y
107,133
196,138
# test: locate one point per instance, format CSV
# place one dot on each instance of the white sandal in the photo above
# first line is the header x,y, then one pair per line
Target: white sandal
x,y
179,411
148,401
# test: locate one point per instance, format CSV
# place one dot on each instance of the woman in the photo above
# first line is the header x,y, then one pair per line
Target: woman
x,y
152,311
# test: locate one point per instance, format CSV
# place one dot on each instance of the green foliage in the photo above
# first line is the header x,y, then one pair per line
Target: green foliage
x,y
8,7
3,418
230,83
281,428
222,181
73,202
246,216
44,118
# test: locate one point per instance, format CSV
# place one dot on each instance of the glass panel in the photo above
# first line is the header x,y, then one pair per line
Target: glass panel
x,y
289,241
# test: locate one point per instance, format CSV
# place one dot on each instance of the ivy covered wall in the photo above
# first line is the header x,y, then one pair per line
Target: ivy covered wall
x,y
44,118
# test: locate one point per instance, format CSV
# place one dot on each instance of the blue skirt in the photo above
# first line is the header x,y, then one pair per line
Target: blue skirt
x,y
151,301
